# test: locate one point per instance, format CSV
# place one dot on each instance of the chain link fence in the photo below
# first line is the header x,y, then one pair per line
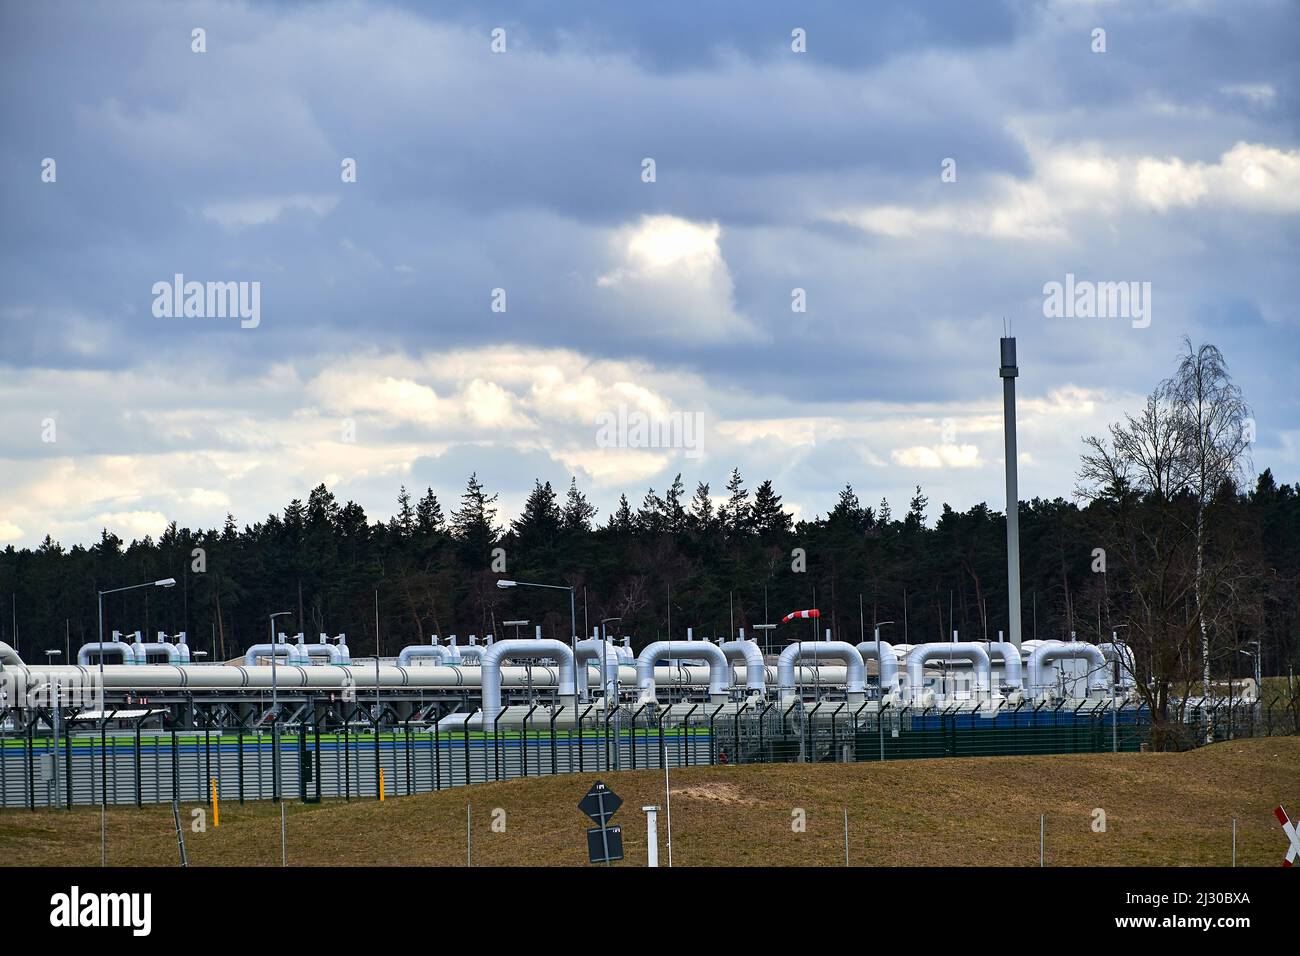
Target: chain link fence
x,y
39,769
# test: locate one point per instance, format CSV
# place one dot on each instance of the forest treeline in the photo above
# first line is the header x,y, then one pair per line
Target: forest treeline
x,y
325,561
1174,568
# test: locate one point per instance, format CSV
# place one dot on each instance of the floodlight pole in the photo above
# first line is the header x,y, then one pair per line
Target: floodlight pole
x,y
103,716
275,716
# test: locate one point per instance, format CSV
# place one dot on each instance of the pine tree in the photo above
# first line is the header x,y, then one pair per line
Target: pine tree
x,y
848,510
649,517
769,518
916,511
885,514
539,522
404,521
622,521
322,508
474,522
428,514
578,511
735,514
673,513
701,516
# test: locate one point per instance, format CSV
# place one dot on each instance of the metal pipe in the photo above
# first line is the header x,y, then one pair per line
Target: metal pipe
x,y
719,669
9,657
289,652
970,651
490,670
413,652
605,654
886,662
856,669
1123,654
1049,651
470,653
752,656
142,650
103,647
1010,655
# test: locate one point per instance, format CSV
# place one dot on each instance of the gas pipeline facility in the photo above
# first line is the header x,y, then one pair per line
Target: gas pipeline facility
x,y
135,721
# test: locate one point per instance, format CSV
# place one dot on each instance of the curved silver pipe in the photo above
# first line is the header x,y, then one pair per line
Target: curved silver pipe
x,y
287,651
970,651
9,657
103,647
855,674
308,651
1048,651
751,655
1010,655
886,663
605,654
490,670
173,653
420,651
1114,651
719,669
470,653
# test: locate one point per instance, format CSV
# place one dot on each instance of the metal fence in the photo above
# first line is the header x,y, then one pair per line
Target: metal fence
x,y
39,769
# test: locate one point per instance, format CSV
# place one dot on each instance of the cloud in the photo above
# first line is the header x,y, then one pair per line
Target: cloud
x,y
1248,176
937,456
1257,94
775,171
1072,184
671,271
240,213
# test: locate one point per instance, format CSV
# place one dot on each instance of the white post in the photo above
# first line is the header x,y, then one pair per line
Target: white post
x,y
652,835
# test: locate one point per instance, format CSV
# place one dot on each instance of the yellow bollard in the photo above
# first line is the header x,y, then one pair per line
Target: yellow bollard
x,y
381,784
216,813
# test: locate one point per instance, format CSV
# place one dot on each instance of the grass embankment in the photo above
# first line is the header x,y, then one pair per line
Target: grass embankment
x,y
1160,809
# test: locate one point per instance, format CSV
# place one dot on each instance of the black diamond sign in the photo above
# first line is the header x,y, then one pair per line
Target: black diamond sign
x,y
600,803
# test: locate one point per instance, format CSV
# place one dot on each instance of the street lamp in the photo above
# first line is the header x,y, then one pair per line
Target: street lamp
x,y
1114,688
1259,678
765,628
880,686
610,688
275,716
573,624
58,710
103,712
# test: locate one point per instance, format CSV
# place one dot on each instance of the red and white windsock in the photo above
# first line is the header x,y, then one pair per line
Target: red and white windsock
x,y
795,615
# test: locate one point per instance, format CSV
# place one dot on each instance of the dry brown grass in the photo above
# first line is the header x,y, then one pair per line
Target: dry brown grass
x,y
1161,809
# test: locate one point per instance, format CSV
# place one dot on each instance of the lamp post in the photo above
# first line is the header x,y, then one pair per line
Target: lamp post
x,y
275,716
573,618
604,663
766,629
880,675
1255,654
103,715
58,709
1114,690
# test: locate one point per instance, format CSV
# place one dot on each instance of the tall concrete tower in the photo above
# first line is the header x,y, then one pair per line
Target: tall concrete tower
x,y
1008,372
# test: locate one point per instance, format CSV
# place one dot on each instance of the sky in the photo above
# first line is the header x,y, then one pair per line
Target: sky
x,y
495,237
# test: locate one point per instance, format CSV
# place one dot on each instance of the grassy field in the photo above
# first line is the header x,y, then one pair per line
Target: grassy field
x,y
1160,809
